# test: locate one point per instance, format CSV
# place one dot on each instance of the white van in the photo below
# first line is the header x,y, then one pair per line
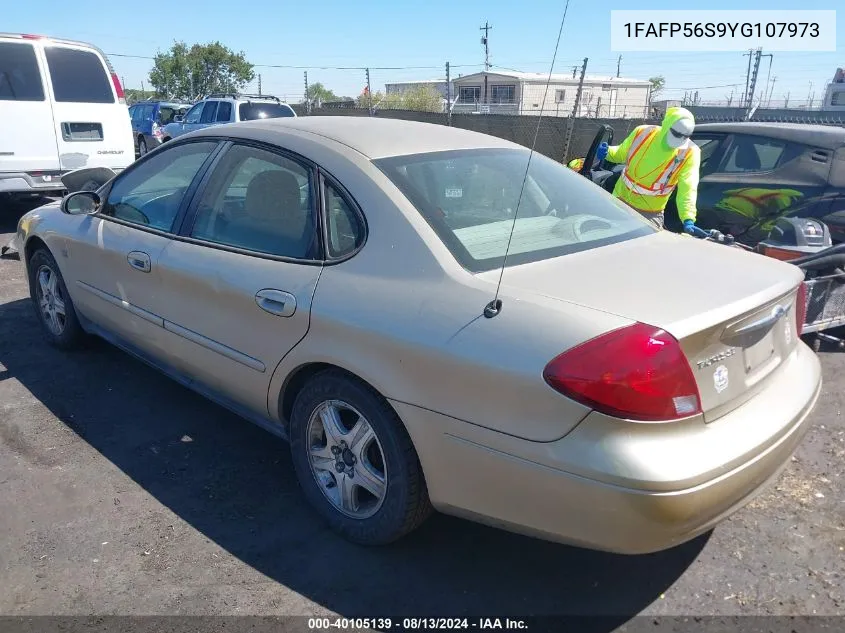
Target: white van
x,y
61,108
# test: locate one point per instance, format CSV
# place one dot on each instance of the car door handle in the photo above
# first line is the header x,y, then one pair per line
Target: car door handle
x,y
139,261
276,302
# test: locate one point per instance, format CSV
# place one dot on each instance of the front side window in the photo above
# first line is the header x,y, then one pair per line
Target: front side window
x,y
471,198
151,193
193,115
261,202
78,76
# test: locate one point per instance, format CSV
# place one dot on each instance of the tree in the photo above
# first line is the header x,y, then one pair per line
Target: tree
x,y
134,96
419,98
190,73
423,99
657,85
318,93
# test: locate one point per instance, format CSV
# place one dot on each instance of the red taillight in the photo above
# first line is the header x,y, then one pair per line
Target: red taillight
x,y
638,373
801,308
117,87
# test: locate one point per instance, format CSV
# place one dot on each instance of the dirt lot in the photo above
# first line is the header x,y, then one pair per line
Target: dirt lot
x,y
123,493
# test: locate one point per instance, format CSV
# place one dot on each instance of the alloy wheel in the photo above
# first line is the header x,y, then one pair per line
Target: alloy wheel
x,y
347,459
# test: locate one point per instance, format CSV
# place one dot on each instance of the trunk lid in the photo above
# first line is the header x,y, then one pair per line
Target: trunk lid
x,y
733,312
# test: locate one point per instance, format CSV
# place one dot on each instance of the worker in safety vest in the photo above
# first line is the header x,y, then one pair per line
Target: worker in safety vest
x,y
658,160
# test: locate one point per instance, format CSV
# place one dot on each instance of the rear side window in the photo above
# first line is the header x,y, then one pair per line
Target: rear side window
x,y
471,198
209,112
20,79
224,112
78,76
251,111
757,153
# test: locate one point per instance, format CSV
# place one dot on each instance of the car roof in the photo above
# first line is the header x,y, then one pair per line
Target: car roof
x,y
373,137
826,136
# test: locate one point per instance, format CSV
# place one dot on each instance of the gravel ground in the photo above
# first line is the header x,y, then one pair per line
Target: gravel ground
x,y
124,493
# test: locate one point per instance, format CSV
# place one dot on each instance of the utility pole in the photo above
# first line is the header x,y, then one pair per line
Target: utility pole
x,y
619,66
768,75
307,96
810,96
747,75
369,94
570,128
786,100
771,92
485,39
143,89
259,83
448,95
749,99
574,70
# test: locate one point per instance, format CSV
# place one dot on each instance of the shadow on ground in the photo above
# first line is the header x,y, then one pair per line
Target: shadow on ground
x,y
235,484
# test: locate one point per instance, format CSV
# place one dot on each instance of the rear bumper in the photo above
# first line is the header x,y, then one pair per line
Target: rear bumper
x,y
614,486
23,182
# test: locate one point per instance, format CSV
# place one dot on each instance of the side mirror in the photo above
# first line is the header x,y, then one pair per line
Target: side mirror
x,y
81,203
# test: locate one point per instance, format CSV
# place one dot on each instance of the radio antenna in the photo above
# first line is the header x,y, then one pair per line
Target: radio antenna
x,y
495,306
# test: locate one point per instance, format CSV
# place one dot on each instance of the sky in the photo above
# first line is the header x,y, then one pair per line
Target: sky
x,y
410,40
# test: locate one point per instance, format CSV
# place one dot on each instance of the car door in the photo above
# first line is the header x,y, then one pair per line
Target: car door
x,y
91,125
113,256
27,135
191,119
755,181
713,146
236,288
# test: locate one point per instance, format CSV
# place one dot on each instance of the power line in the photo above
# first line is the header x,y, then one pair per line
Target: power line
x,y
322,67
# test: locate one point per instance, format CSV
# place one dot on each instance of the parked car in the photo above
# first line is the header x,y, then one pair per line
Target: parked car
x,y
61,108
148,119
753,174
328,278
222,108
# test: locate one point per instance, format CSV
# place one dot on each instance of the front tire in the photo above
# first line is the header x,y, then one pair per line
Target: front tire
x,y
355,462
142,146
52,302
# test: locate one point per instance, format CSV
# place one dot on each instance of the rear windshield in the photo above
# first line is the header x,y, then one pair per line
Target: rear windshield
x,y
250,111
469,197
20,79
78,76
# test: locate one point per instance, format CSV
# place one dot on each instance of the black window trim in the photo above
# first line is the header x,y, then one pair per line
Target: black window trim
x,y
187,199
188,221
327,179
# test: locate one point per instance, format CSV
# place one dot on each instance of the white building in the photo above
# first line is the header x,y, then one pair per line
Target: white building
x,y
834,96
525,93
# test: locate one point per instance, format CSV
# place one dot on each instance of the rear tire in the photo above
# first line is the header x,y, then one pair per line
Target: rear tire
x,y
355,462
52,302
142,146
